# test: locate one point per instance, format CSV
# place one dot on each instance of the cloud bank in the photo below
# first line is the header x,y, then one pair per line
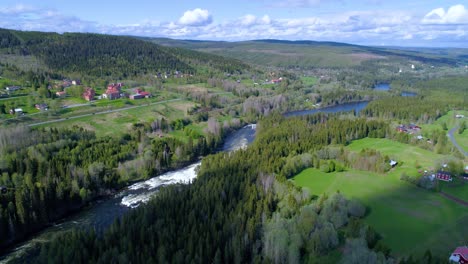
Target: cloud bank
x,y
439,27
456,14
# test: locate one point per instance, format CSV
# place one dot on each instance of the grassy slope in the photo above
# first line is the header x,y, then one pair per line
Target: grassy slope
x,y
116,124
409,218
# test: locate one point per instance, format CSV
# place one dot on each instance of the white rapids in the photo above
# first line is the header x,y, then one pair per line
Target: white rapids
x,y
142,192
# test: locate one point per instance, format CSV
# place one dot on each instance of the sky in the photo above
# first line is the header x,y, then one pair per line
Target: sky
x,y
423,23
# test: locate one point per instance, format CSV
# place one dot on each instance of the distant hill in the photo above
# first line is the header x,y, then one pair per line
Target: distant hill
x,y
284,53
107,55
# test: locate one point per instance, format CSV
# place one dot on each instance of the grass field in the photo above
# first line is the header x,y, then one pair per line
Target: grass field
x,y
409,218
309,81
462,139
118,123
406,155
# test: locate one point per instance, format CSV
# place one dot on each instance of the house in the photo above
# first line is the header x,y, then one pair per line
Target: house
x,y
89,94
145,94
12,88
42,107
61,94
76,82
113,91
139,94
402,128
444,176
136,96
410,129
393,163
66,83
276,81
460,255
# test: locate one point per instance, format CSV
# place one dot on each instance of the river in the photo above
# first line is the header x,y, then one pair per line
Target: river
x,y
354,106
102,213
382,87
387,87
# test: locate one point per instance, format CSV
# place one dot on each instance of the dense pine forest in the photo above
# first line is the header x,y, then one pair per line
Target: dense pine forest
x,y
50,173
112,56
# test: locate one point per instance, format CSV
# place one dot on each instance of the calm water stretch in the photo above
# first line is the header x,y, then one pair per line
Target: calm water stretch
x,y
387,87
102,213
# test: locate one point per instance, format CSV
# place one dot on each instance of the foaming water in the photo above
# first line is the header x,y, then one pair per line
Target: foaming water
x,y
142,192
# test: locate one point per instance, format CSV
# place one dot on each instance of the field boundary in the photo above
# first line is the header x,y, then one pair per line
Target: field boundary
x,y
455,199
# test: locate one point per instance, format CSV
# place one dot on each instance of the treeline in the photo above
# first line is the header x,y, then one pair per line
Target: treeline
x,y
282,137
237,210
410,109
336,158
50,172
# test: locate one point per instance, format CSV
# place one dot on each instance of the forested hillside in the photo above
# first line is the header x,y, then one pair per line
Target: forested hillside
x,y
116,56
237,210
314,54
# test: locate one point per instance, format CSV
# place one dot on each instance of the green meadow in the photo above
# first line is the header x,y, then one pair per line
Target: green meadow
x,y
309,81
118,123
410,219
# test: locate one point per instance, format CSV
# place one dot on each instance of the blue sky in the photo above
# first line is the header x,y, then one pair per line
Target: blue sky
x,y
369,22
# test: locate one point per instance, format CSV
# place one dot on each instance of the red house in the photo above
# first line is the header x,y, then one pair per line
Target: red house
x,y
402,128
444,176
113,91
460,255
277,80
89,94
139,94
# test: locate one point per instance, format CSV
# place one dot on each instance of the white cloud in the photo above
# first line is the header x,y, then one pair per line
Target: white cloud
x,y
266,19
248,20
251,20
456,14
196,17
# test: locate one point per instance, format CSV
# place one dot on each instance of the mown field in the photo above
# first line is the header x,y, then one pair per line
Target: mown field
x,y
409,218
118,123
